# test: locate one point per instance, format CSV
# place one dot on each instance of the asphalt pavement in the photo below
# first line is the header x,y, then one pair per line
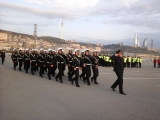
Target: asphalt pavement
x,y
27,97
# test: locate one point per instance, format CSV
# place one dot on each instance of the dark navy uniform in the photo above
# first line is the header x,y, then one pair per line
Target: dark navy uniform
x,y
50,65
20,59
83,68
26,61
3,55
14,59
76,65
95,61
69,63
33,61
118,68
41,59
87,65
61,63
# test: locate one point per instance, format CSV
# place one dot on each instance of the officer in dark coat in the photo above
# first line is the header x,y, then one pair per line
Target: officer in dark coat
x,y
14,58
26,60
82,67
49,61
76,66
20,59
33,61
54,63
42,60
69,63
87,64
3,55
118,68
61,63
95,62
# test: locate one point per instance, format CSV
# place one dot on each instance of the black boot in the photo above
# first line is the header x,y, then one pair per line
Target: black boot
x,y
92,79
32,73
88,82
95,81
49,77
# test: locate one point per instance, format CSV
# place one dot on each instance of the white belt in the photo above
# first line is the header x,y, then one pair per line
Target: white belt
x,y
88,64
61,62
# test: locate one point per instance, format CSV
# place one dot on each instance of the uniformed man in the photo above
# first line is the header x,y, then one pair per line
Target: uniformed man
x,y
20,59
61,62
33,60
95,62
3,55
14,58
76,66
69,63
118,68
37,62
26,60
42,60
49,61
64,65
82,67
87,65
140,62
54,63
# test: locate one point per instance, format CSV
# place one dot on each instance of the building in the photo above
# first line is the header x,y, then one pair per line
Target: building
x,y
136,42
3,36
145,43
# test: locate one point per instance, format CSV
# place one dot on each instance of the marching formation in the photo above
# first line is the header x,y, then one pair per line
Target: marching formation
x,y
49,60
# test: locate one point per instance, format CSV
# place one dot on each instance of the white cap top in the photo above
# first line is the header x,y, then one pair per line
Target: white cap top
x,y
59,49
86,50
14,49
95,50
49,49
41,49
26,49
70,48
76,50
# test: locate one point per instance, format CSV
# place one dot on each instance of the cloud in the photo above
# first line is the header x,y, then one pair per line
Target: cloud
x,y
50,14
131,12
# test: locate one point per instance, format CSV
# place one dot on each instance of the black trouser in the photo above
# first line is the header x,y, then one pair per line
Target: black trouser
x,y
50,70
139,65
76,72
60,68
124,64
54,69
83,73
88,73
128,64
15,63
20,63
70,71
3,58
63,68
119,80
41,65
95,73
33,66
154,64
27,64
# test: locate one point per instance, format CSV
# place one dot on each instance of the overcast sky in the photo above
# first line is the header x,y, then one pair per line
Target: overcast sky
x,y
97,21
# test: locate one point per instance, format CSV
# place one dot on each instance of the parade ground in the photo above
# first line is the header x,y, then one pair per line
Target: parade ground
x,y
27,97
